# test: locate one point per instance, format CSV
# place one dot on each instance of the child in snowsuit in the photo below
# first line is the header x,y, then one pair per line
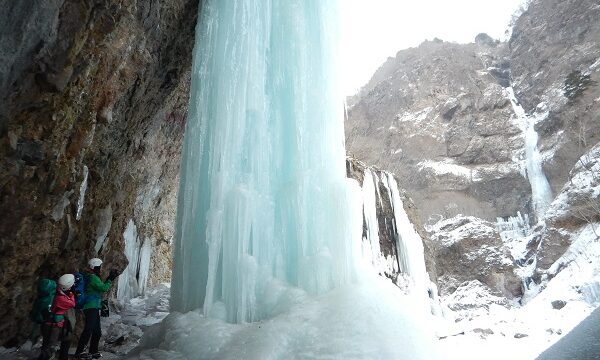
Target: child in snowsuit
x,y
55,328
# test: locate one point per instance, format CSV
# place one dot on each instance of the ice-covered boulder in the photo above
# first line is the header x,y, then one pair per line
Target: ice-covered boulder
x,y
469,248
473,298
577,205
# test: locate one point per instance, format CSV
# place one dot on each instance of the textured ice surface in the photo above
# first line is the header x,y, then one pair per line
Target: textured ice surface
x,y
410,245
371,320
263,191
127,281
541,193
515,232
144,265
370,214
132,281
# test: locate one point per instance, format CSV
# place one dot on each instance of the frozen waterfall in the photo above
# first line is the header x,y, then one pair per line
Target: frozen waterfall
x,y
406,257
268,226
541,193
263,193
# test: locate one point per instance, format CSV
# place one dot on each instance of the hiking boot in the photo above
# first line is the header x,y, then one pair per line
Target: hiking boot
x,y
96,355
81,356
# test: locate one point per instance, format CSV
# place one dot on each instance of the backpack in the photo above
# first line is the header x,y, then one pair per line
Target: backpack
x,y
43,302
79,288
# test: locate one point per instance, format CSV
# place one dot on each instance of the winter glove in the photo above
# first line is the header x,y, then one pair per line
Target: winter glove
x,y
113,275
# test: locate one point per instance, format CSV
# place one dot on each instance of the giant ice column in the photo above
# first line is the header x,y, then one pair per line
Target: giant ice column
x,y
541,193
263,194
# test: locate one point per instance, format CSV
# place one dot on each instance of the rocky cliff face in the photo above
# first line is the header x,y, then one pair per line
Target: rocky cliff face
x,y
576,206
555,63
93,98
470,249
437,116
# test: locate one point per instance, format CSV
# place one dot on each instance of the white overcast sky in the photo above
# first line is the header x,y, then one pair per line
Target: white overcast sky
x,y
373,30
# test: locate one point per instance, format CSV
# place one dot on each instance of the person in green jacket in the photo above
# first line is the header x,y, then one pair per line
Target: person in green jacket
x,y
41,308
94,290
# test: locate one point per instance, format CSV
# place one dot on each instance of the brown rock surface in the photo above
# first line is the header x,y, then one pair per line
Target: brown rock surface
x,y
96,84
575,206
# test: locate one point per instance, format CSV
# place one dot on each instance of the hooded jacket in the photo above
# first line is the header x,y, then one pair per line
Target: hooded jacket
x,y
46,291
61,304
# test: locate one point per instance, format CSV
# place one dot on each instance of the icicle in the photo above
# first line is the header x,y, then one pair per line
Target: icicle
x,y
144,265
132,282
82,190
127,286
513,227
373,251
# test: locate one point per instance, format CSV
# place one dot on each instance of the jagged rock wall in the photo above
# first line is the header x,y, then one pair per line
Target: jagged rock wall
x,y
576,206
470,249
555,60
93,99
437,116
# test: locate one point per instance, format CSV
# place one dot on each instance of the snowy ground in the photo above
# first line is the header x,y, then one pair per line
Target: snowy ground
x,y
525,332
367,321
121,331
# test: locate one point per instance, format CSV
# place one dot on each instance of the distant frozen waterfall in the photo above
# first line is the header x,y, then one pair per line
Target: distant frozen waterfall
x,y
263,194
541,193
390,241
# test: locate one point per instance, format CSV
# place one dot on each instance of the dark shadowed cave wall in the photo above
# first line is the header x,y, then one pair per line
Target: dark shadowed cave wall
x,y
94,89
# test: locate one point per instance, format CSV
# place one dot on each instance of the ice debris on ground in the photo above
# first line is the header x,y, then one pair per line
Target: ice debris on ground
x,y
370,320
125,327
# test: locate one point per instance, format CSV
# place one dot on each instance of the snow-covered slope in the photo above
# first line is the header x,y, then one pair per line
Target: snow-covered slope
x,y
489,329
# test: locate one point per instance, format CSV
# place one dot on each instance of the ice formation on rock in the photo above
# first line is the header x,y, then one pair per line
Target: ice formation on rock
x,y
407,257
541,194
263,193
82,190
132,281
